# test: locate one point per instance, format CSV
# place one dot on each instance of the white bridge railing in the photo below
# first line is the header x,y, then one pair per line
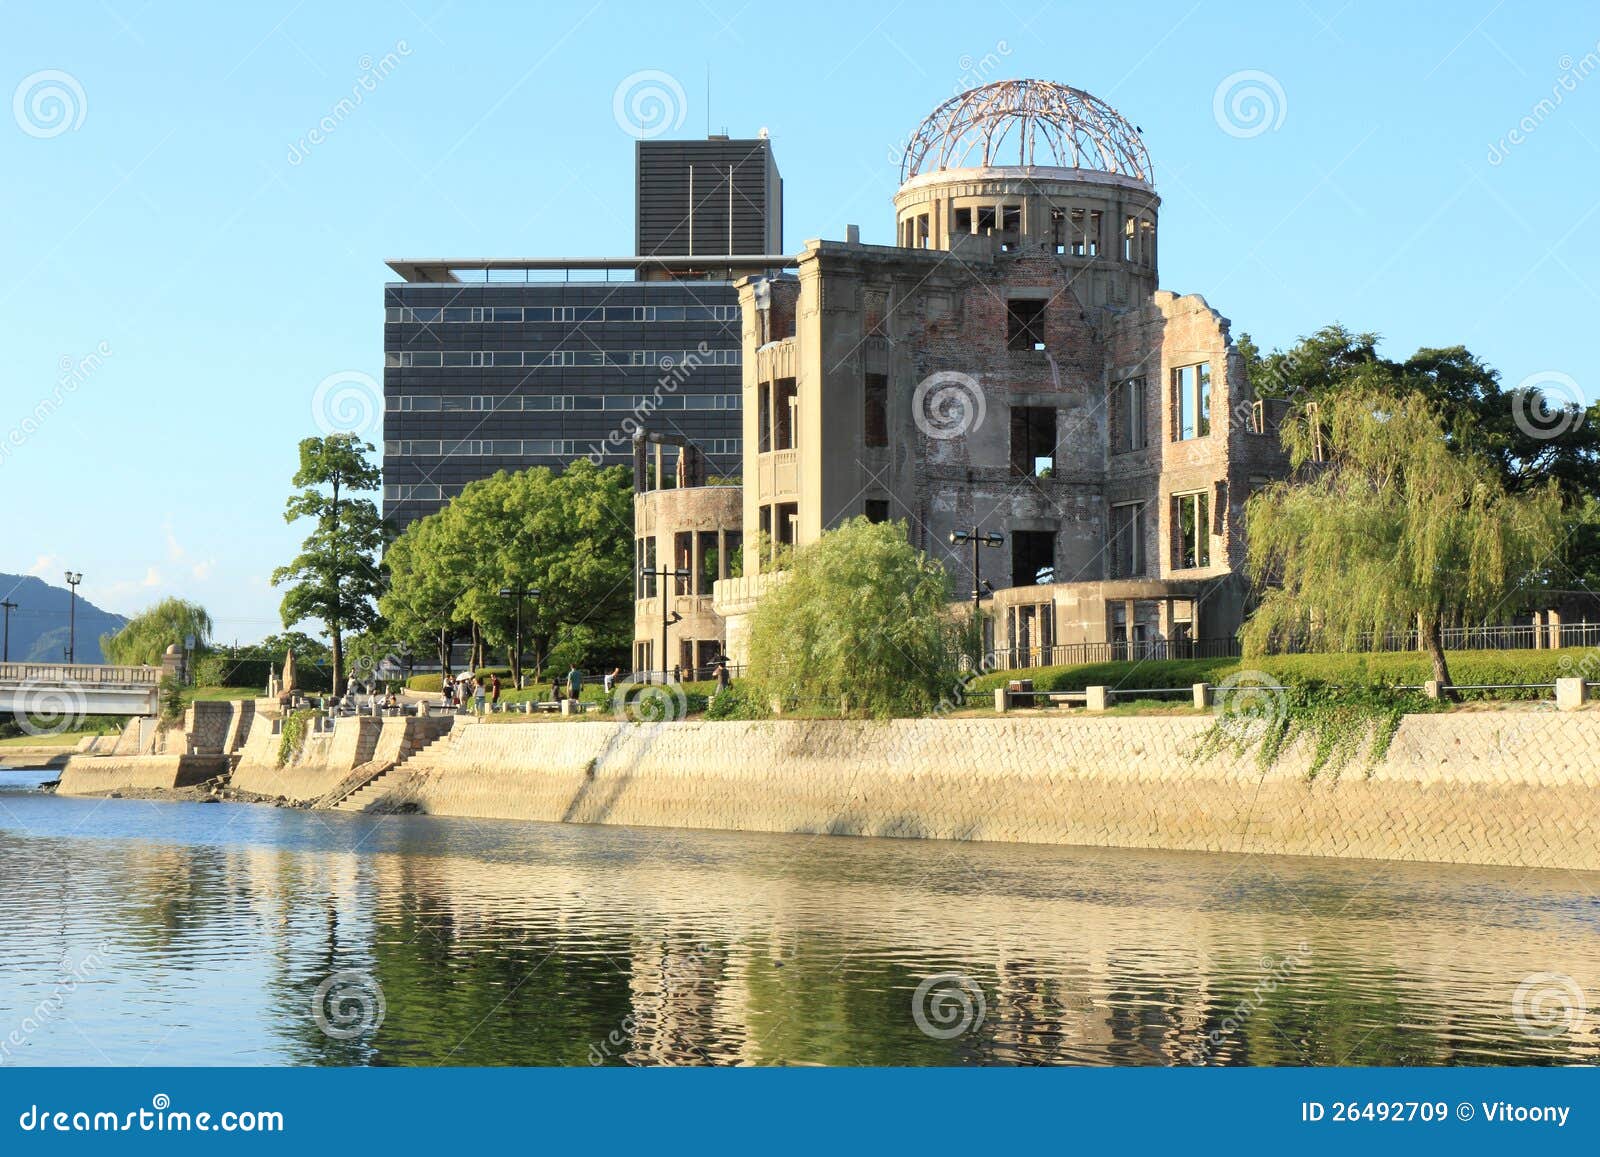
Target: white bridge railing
x,y
83,674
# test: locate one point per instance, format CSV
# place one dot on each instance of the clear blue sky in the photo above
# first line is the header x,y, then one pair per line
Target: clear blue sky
x,y
167,219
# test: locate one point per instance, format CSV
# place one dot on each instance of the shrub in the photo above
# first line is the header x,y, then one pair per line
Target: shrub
x,y
736,703
433,683
293,736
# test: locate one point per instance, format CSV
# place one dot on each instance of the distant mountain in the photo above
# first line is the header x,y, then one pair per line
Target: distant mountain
x,y
39,624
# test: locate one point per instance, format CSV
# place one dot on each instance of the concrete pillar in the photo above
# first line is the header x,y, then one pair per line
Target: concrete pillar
x,y
1552,620
1097,698
1202,695
1571,694
1433,689
1128,607
1000,701
1538,630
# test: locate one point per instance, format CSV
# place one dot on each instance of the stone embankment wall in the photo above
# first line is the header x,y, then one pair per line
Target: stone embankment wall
x,y
328,757
1519,788
95,775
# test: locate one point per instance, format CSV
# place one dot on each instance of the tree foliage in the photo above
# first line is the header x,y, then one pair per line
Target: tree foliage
x,y
146,636
1480,416
1397,529
567,535
860,622
335,577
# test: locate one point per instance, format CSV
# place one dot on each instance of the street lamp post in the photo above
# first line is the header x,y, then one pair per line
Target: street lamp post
x,y
73,579
5,648
519,593
662,574
979,587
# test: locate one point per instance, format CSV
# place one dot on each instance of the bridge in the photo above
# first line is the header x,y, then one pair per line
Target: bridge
x,y
57,690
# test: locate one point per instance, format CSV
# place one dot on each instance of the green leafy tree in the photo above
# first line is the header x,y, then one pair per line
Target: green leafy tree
x,y
335,577
860,621
146,636
568,535
1480,416
1396,529
426,566
274,647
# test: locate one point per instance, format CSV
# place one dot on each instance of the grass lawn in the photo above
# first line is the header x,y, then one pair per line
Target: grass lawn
x,y
64,739
219,694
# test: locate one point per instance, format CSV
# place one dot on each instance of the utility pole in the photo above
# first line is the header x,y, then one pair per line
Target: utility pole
x,y
73,579
660,575
518,592
5,648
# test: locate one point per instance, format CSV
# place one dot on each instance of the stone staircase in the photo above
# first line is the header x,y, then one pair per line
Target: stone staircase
x,y
361,788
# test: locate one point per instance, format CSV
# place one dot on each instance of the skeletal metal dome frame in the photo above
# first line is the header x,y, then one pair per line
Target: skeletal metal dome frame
x,y
1026,123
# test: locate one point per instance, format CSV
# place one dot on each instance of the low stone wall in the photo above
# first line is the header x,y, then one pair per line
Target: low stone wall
x,y
1514,788
97,774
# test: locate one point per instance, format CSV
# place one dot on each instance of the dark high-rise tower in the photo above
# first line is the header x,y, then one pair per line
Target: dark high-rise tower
x,y
700,198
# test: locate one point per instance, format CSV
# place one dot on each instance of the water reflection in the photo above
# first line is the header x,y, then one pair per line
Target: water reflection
x,y
501,943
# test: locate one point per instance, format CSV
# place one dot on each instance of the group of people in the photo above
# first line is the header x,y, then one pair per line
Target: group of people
x,y
373,694
481,693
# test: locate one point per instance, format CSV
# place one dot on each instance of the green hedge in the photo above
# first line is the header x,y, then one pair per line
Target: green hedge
x,y
223,671
1391,668
433,683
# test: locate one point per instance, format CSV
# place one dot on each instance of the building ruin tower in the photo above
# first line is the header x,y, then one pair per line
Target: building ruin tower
x,y
1010,366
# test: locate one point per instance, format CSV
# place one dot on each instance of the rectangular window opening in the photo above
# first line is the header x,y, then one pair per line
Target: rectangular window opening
x,y
875,411
1025,324
1033,441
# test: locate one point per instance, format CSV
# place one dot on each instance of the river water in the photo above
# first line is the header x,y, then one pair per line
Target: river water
x,y
140,933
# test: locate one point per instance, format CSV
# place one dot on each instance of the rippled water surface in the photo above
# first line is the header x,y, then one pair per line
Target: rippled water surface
x,y
168,933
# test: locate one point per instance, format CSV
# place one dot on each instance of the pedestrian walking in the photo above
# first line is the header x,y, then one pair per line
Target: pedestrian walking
x,y
479,694
555,688
494,693
611,679
720,675
574,682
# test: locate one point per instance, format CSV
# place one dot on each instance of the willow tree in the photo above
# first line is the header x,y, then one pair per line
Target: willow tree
x,y
860,621
1385,527
335,577
144,638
